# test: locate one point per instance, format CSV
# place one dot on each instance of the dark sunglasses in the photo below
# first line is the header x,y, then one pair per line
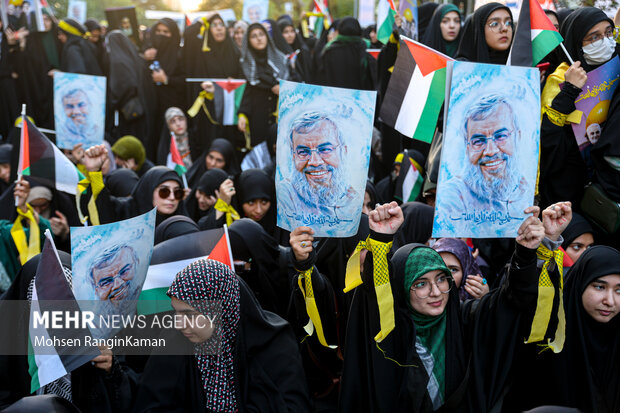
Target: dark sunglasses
x,y
164,193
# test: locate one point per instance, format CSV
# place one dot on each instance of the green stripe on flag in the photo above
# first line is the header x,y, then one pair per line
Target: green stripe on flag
x,y
428,120
385,30
26,171
33,369
543,44
154,301
238,96
415,192
179,169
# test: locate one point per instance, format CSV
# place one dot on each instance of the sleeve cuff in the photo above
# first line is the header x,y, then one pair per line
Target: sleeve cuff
x,y
305,265
381,237
524,256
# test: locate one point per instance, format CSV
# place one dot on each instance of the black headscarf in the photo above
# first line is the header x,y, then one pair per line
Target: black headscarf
x,y
256,184
173,227
473,46
220,61
284,22
251,243
433,37
418,224
575,27
121,182
208,183
577,226
199,167
278,39
591,354
562,15
142,194
78,54
167,47
425,13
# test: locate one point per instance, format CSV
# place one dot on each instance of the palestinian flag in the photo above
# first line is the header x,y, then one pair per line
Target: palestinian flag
x,y
416,90
535,37
42,160
171,256
386,13
227,99
46,362
410,179
374,52
174,161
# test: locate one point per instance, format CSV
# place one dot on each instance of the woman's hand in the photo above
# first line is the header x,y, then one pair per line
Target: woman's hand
x,y
576,75
21,192
301,242
60,225
159,76
104,361
94,158
386,218
208,87
556,218
276,89
226,191
531,232
150,54
476,286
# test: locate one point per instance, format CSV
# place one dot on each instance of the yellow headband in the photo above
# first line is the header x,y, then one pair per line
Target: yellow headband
x,y
71,30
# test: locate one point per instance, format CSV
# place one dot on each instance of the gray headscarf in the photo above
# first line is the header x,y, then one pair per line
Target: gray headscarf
x,y
276,60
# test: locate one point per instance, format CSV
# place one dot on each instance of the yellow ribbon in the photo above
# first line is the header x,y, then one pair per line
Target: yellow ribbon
x,y
204,33
200,103
305,285
72,30
555,117
31,248
544,305
95,181
230,212
551,90
246,134
353,276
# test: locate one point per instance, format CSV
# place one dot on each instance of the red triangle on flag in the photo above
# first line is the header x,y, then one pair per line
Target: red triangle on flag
x,y
230,85
374,52
538,18
221,252
427,59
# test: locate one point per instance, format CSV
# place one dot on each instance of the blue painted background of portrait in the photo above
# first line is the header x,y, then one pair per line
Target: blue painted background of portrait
x,y
460,210
94,87
352,112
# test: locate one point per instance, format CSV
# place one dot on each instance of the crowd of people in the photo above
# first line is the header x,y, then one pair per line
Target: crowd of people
x,y
463,311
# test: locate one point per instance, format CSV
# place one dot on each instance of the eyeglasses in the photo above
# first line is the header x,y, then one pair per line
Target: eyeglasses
x,y
610,33
164,192
479,142
497,26
108,282
304,153
423,288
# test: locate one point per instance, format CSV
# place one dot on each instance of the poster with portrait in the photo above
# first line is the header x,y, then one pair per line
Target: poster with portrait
x,y
110,263
322,155
255,11
77,10
79,109
593,102
489,160
125,20
408,9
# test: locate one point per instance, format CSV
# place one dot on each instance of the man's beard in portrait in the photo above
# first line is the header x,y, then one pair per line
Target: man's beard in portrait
x,y
317,194
494,186
80,129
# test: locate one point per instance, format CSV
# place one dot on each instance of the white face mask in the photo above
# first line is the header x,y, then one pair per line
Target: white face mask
x,y
600,51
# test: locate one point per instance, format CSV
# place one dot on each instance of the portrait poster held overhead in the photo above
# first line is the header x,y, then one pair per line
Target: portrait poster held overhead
x,y
489,159
408,9
593,102
109,265
322,155
77,10
255,11
79,109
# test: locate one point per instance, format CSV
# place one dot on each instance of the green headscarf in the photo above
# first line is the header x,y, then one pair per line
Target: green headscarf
x,y
129,147
431,331
452,46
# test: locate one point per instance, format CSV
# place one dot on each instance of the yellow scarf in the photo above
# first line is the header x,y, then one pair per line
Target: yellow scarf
x,y
305,285
31,248
95,181
231,214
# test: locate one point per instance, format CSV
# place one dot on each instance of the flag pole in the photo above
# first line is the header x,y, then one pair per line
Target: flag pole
x,y
570,59
184,181
21,150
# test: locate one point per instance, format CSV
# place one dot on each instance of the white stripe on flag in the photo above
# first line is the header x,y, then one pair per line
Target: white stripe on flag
x,y
412,106
162,275
409,182
66,174
534,33
229,107
169,162
49,366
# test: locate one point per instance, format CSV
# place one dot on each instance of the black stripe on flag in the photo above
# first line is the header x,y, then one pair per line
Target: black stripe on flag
x,y
397,87
521,53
